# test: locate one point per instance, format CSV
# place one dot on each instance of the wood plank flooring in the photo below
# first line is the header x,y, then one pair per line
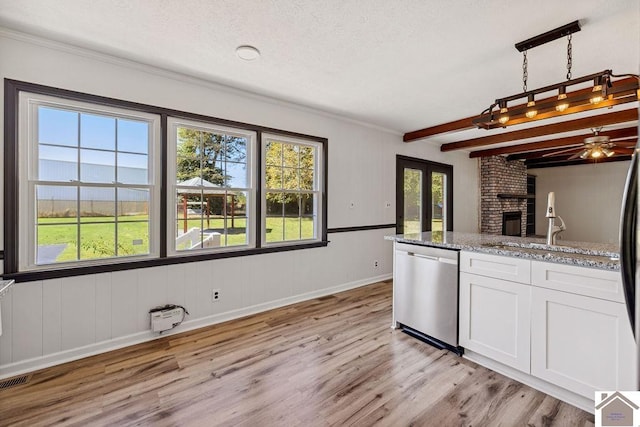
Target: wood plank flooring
x,y
331,361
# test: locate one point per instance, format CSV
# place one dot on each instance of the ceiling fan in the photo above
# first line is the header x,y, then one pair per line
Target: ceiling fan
x,y
597,147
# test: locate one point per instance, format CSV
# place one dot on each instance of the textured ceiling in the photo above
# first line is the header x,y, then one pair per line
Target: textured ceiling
x,y
403,64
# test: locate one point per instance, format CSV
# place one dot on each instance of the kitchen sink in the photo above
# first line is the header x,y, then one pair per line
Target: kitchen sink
x,y
555,251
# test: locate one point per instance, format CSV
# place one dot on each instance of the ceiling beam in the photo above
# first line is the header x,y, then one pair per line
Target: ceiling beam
x,y
534,164
629,115
554,143
467,123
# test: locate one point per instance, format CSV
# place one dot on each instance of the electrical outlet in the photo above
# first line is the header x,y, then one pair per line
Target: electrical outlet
x,y
387,204
375,264
215,295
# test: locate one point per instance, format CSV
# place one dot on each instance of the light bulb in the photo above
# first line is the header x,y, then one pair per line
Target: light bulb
x,y
562,104
531,108
596,153
607,152
504,115
596,96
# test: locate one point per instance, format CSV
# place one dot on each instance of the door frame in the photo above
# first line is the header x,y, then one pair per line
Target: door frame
x,y
427,167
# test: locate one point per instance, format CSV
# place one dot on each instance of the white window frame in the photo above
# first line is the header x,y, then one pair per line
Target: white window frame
x,y
173,123
28,156
318,190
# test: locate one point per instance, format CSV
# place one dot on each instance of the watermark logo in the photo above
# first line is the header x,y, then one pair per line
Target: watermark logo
x,y
617,408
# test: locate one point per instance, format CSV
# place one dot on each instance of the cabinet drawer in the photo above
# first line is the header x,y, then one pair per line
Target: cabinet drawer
x,y
591,282
501,267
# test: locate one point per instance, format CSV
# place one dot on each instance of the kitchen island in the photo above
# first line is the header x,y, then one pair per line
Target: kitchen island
x,y
552,317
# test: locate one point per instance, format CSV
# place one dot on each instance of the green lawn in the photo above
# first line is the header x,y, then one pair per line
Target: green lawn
x,y
97,240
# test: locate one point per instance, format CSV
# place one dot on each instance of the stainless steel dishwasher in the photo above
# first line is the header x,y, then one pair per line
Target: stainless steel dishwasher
x,y
425,294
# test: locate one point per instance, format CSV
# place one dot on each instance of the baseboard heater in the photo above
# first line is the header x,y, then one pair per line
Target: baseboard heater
x,y
432,341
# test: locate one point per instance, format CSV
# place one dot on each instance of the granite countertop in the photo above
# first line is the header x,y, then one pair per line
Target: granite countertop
x,y
604,256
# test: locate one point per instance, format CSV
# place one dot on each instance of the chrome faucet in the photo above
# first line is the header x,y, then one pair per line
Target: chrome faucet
x,y
553,230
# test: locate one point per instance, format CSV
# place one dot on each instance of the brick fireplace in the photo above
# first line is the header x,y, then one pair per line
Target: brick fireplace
x,y
503,189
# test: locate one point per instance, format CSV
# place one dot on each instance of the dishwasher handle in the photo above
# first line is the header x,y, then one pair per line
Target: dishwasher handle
x,y
434,258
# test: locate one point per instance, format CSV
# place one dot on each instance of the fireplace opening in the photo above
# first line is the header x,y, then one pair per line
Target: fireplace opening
x,y
512,223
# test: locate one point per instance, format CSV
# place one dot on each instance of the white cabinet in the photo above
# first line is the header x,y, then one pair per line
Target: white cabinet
x,y
494,319
579,342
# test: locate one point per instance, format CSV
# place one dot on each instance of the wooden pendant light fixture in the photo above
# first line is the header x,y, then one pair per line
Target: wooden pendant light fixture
x,y
604,92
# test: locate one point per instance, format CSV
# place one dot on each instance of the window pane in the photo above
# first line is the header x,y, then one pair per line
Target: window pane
x,y
236,175
273,177
292,217
438,185
57,127
133,204
133,168
236,219
133,238
290,179
97,241
97,132
57,163
236,149
56,243
97,166
306,179
274,229
273,154
56,202
292,229
97,204
307,157
307,210
187,168
290,155
412,201
133,136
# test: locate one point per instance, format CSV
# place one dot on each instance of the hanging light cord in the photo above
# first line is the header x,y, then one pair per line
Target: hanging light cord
x,y
569,57
525,73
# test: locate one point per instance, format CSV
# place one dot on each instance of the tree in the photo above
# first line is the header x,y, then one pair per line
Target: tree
x,y
202,155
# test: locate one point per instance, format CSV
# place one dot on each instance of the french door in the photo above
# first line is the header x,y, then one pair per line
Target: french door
x,y
424,196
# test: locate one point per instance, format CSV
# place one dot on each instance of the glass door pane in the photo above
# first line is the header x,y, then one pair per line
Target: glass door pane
x,y
438,201
412,201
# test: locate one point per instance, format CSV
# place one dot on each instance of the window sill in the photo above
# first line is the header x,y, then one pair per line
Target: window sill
x,y
56,272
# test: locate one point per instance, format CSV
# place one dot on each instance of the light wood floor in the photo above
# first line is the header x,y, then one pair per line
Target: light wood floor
x,y
329,361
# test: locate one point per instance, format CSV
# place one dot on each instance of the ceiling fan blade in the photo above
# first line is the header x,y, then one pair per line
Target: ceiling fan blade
x,y
576,156
625,151
555,153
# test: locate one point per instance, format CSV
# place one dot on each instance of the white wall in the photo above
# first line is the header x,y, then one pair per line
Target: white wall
x,y
46,322
588,198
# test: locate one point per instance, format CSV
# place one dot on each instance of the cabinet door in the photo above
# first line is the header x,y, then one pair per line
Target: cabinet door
x,y
494,319
580,343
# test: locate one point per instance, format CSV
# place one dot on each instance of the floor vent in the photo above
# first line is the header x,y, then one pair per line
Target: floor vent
x,y
12,382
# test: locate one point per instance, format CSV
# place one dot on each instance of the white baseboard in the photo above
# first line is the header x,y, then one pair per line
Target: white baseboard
x,y
552,390
36,363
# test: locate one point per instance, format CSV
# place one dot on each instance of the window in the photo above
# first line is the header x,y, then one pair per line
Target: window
x,y
90,190
291,183
98,184
213,188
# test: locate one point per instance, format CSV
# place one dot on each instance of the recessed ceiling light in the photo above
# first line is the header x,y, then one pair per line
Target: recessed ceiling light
x,y
248,53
